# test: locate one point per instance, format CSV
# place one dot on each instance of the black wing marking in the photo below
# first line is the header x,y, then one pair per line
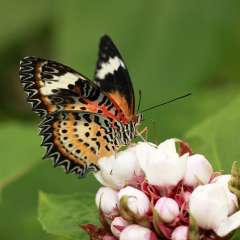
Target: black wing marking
x,y
49,85
113,77
71,140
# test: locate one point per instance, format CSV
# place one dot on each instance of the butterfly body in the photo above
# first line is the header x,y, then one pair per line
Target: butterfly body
x,y
82,120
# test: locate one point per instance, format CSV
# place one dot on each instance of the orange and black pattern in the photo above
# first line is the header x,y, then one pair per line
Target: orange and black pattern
x,y
82,120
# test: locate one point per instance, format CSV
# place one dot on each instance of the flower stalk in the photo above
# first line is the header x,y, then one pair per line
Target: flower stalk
x,y
193,232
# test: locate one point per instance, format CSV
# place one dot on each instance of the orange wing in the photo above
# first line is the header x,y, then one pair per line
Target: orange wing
x,y
77,140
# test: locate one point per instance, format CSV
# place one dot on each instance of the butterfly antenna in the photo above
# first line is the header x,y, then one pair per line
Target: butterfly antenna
x,y
139,101
164,103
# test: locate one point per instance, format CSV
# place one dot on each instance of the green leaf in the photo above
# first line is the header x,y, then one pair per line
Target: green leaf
x,y
236,235
20,151
62,215
218,137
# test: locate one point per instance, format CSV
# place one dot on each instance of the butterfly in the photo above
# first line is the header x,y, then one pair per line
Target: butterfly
x,y
82,120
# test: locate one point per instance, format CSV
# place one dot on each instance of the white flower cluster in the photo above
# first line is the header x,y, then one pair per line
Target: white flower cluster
x,y
150,191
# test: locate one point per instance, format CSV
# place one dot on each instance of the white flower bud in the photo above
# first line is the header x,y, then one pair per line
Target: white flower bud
x,y
228,225
167,209
164,167
106,200
180,233
232,198
209,205
222,179
199,170
137,201
143,150
136,232
117,226
117,170
232,203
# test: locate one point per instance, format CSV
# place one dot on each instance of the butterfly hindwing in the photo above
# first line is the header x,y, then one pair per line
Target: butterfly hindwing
x,y
77,140
113,77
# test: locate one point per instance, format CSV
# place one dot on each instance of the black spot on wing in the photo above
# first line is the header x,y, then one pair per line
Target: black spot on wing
x,y
52,150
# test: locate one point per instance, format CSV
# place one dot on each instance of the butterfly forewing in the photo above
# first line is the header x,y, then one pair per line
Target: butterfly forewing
x,y
52,86
113,77
42,80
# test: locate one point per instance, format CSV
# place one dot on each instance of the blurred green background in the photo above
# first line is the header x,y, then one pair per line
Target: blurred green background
x,y
171,48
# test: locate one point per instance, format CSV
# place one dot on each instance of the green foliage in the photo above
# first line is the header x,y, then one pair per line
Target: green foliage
x,y
218,137
21,18
16,140
20,199
236,235
63,215
170,47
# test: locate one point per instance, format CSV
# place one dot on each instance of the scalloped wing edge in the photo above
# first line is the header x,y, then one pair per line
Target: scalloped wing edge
x,y
52,152
27,77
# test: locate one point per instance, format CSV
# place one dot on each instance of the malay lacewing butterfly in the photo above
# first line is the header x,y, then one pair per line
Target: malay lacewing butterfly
x,y
82,120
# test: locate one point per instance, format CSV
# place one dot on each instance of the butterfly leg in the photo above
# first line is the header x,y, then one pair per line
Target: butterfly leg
x,y
142,132
115,156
